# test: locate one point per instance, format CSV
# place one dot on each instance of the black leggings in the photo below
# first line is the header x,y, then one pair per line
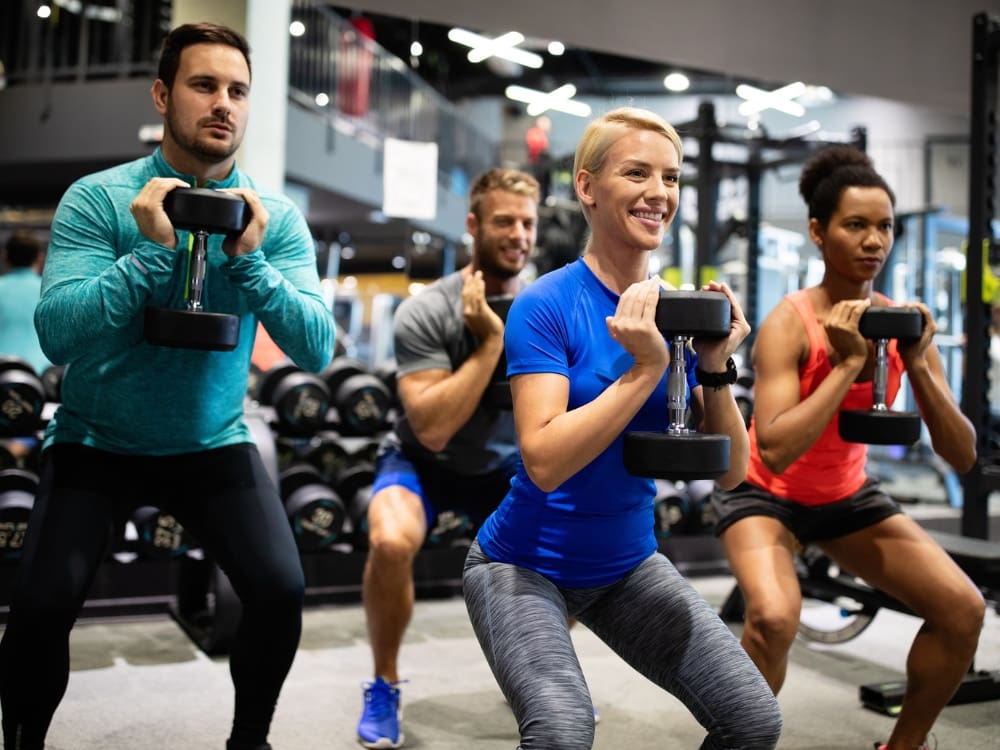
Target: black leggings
x,y
224,497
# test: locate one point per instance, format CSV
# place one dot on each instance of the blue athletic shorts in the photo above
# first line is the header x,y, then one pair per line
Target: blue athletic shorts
x,y
809,523
441,489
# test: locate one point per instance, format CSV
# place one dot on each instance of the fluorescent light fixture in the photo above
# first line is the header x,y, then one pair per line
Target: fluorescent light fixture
x,y
503,46
757,100
560,99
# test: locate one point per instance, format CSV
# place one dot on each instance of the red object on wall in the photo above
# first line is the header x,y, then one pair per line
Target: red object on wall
x,y
354,65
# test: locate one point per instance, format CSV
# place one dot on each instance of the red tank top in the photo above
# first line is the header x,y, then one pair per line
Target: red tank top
x,y
831,469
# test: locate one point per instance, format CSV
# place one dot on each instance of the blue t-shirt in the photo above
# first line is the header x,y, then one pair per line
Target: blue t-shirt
x,y
598,524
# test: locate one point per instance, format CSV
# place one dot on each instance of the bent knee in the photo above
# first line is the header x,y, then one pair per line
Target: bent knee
x,y
772,626
386,548
961,615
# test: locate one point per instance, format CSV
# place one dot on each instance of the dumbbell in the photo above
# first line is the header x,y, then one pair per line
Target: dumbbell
x,y
497,394
52,382
300,399
386,372
22,398
361,400
670,509
202,212
325,450
156,534
678,452
354,484
314,510
880,425
17,498
452,528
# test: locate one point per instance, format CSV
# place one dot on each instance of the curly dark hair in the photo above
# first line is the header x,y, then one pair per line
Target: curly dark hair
x,y
830,172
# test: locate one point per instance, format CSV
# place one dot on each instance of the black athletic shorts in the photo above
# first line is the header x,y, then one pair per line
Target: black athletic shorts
x,y
809,523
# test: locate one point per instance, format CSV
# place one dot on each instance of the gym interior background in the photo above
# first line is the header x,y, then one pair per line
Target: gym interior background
x,y
916,88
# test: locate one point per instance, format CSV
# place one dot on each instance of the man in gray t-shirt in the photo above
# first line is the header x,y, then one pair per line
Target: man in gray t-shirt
x,y
449,449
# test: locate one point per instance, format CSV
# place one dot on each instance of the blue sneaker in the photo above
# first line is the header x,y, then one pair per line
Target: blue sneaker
x,y
379,725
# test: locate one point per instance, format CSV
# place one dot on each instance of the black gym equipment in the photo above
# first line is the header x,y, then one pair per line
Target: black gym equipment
x,y
678,452
361,399
17,497
984,478
325,451
354,484
202,212
158,534
22,398
207,608
300,399
497,394
52,381
315,512
880,425
452,528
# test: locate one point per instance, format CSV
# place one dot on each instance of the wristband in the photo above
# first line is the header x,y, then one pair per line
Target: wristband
x,y
717,380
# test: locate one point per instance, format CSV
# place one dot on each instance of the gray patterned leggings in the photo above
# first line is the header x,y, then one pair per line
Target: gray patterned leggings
x,y
652,618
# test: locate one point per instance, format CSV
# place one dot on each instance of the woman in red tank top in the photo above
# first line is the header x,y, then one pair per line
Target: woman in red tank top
x,y
807,486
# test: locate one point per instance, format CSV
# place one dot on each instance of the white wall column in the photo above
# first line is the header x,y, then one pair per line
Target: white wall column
x,y
265,25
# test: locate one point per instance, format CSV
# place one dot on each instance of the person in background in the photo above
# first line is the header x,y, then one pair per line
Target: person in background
x,y
448,448
574,535
168,420
805,485
20,287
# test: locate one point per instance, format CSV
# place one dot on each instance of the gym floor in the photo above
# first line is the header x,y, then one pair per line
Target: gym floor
x,y
141,683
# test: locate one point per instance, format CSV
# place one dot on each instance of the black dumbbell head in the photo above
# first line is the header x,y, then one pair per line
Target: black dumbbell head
x,y
201,209
340,369
902,323
22,398
500,305
693,314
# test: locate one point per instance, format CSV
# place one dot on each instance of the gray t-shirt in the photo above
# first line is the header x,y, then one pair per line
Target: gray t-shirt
x,y
429,333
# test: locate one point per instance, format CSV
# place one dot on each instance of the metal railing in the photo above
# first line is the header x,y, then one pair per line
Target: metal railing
x,y
335,71
340,73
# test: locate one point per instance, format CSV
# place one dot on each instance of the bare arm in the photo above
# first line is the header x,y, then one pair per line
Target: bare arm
x,y
439,402
556,443
952,435
715,410
787,426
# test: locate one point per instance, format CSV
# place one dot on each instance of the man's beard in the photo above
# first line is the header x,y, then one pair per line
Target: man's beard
x,y
486,254
203,149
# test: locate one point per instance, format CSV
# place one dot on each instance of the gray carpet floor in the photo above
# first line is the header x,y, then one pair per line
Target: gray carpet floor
x,y
142,684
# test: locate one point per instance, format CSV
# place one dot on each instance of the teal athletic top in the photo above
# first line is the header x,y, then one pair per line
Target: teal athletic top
x,y
124,395
19,290
598,524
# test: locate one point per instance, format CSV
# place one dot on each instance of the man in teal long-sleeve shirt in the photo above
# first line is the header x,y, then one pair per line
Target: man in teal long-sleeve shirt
x,y
160,423
20,287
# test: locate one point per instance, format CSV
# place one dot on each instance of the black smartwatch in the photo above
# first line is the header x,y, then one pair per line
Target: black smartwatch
x,y
716,380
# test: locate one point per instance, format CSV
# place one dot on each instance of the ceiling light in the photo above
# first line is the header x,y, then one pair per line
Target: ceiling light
x,y
296,28
757,100
503,46
560,99
677,82
416,49
322,99
556,48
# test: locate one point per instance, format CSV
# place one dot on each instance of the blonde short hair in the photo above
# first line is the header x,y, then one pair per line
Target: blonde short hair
x,y
605,130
